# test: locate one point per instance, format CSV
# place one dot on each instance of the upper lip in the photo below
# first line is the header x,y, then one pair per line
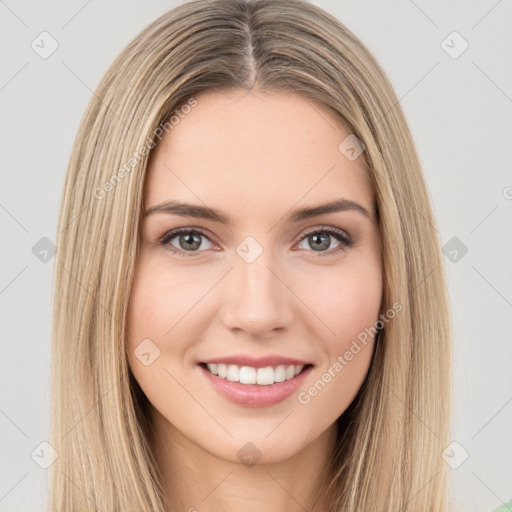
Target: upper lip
x,y
256,362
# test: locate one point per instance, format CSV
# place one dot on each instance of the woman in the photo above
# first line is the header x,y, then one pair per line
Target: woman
x,y
250,304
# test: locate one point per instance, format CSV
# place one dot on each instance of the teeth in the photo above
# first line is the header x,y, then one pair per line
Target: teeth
x,y
249,375
222,370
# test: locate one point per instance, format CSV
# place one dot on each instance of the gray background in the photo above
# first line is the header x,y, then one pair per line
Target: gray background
x,y
458,110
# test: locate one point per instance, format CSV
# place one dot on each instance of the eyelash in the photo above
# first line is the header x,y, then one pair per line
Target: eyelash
x,y
345,240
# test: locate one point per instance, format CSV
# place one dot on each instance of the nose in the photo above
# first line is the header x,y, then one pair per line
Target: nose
x,y
257,301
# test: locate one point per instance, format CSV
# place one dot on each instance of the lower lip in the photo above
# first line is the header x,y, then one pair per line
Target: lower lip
x,y
254,395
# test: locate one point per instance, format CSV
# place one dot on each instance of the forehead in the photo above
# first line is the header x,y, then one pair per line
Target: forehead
x,y
249,149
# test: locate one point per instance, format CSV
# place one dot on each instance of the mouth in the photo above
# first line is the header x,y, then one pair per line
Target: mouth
x,y
250,375
255,387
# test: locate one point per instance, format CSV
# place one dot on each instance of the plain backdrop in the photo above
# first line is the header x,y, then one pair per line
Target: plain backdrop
x,y
458,103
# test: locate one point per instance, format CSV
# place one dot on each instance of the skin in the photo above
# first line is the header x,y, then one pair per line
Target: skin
x,y
255,156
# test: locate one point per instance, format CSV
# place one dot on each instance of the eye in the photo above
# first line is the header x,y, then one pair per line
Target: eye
x,y
188,240
319,240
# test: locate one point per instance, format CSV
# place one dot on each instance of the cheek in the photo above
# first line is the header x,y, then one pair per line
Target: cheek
x,y
160,302
354,306
144,316
347,300
349,308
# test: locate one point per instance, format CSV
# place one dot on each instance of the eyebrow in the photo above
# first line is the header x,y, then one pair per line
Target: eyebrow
x,y
300,214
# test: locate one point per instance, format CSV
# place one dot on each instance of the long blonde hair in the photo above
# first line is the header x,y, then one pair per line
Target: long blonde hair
x,y
390,440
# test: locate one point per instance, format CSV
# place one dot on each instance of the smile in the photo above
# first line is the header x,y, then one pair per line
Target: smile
x,y
250,375
255,387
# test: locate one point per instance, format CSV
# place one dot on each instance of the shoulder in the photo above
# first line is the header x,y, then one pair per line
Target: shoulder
x,y
506,507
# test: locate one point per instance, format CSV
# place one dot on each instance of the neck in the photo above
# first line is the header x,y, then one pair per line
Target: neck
x,y
196,480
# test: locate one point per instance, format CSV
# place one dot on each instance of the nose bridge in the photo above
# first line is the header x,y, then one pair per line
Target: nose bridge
x,y
256,299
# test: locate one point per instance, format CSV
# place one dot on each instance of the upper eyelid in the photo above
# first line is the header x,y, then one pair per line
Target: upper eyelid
x,y
324,227
175,232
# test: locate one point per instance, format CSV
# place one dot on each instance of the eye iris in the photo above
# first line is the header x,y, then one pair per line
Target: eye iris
x,y
316,237
190,238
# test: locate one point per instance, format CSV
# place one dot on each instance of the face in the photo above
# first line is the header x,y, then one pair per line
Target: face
x,y
248,283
